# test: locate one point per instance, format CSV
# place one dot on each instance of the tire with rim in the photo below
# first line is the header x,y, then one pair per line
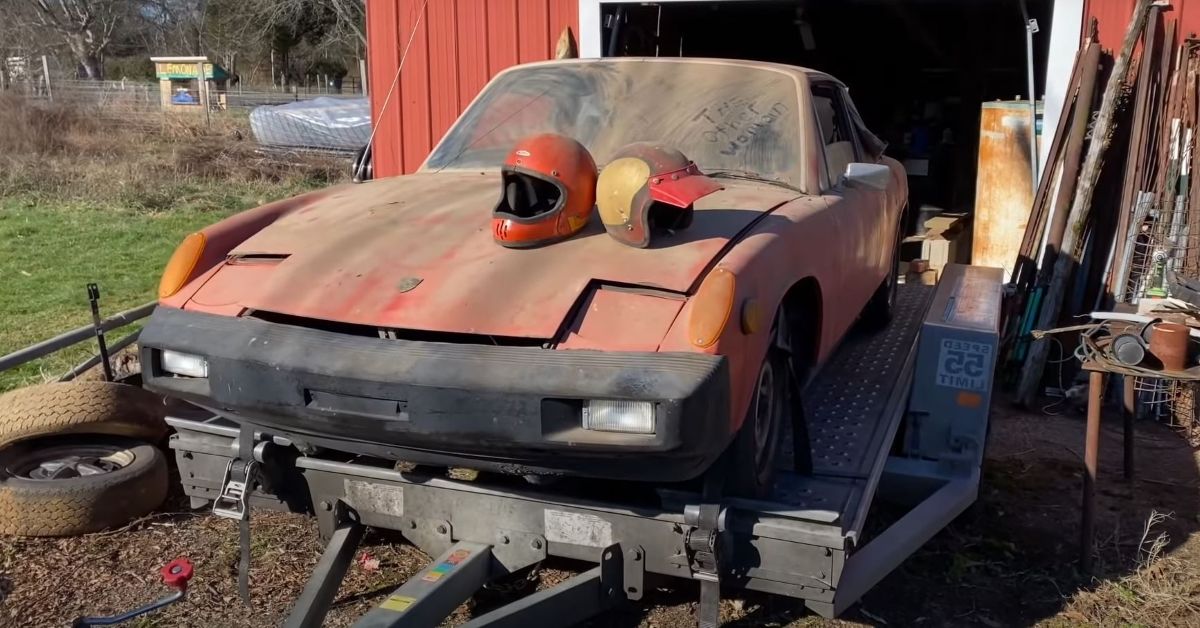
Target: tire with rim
x,y
68,485
878,312
755,449
81,408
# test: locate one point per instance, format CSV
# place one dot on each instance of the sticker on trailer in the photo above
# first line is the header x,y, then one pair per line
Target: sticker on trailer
x,y
576,529
436,572
397,603
964,365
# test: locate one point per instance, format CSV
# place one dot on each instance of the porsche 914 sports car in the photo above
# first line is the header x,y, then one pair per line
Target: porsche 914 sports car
x,y
615,268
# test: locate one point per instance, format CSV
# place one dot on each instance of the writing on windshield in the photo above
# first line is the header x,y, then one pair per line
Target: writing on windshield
x,y
723,116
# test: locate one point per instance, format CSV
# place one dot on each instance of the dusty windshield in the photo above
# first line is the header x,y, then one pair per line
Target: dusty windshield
x,y
724,117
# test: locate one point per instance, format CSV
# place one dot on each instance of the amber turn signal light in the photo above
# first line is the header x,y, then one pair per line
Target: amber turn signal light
x,y
181,265
711,308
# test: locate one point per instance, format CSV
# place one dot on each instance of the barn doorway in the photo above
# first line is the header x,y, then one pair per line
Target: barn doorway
x,y
918,70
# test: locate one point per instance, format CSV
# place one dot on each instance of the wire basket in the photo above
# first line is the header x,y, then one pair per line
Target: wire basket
x,y
1171,402
1161,239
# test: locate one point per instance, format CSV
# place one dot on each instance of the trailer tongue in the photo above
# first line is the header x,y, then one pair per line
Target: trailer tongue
x,y
900,415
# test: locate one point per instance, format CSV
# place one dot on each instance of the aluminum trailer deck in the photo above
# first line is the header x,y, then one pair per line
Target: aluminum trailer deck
x,y
869,437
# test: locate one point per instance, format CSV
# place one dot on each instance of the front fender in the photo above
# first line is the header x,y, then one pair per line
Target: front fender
x,y
784,248
221,237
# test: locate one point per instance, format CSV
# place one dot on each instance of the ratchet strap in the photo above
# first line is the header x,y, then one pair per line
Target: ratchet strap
x,y
246,456
234,502
704,545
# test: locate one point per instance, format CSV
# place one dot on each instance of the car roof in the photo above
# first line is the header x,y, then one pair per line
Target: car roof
x,y
813,75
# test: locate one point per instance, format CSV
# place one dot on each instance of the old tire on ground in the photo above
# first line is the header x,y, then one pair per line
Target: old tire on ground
x,y
755,449
878,311
67,485
81,408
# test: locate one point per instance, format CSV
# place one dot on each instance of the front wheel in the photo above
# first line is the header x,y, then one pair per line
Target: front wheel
x,y
878,312
755,449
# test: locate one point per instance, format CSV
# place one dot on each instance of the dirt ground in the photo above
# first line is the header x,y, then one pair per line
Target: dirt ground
x,y
1008,561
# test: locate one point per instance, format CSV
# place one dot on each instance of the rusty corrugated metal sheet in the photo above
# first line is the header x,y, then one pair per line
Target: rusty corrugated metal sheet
x,y
458,46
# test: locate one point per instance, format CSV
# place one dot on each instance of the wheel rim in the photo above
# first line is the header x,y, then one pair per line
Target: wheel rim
x,y
70,461
764,413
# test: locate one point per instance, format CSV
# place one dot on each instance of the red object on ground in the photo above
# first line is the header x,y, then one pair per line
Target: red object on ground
x,y
176,573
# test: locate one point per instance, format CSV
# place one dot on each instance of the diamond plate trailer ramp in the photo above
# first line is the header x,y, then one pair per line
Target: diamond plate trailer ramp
x,y
868,438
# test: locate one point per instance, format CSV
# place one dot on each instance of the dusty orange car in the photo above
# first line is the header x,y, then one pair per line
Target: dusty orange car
x,y
383,319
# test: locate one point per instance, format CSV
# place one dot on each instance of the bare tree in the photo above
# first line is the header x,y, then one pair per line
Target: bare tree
x,y
85,26
336,19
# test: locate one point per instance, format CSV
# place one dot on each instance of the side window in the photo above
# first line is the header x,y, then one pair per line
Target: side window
x,y
872,146
837,132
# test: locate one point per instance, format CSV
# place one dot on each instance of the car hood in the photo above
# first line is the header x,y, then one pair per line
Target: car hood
x,y
416,252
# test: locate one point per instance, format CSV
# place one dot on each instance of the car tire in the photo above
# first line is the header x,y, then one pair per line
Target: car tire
x,y
81,408
755,450
41,495
878,312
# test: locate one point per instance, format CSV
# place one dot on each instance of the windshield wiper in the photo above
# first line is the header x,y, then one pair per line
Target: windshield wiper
x,y
750,176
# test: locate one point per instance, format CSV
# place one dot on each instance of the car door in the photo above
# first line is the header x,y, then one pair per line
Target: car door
x,y
857,210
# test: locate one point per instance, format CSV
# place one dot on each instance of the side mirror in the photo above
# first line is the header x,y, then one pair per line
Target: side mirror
x,y
872,176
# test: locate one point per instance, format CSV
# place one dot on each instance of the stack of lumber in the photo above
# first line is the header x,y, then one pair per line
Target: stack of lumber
x,y
1110,223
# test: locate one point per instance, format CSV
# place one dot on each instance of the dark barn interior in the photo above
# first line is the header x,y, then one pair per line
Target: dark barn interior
x,y
918,70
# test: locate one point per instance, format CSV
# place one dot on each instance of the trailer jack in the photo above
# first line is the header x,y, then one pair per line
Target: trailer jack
x,y
175,574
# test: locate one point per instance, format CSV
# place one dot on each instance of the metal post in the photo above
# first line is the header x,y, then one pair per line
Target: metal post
x,y
94,299
313,604
202,83
1091,454
362,76
46,75
1130,402
1031,27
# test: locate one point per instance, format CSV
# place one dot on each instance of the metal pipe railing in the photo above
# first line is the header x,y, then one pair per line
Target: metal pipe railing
x,y
75,336
91,362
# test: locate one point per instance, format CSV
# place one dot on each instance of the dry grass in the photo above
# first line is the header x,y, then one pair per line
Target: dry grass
x,y
77,151
1163,589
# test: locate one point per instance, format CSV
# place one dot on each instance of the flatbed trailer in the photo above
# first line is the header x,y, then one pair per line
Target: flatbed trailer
x,y
897,416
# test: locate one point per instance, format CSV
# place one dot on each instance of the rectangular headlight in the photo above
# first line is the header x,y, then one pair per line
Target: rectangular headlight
x,y
610,415
184,364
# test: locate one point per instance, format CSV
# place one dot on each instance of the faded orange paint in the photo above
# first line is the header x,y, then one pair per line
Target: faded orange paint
x,y
620,320
457,47
345,261
416,252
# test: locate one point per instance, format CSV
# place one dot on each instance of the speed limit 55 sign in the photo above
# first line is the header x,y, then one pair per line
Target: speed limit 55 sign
x,y
964,365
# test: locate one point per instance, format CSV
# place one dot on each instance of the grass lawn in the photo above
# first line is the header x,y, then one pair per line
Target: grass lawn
x,y
50,251
84,199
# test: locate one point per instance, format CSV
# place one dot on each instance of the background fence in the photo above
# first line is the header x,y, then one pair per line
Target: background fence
x,y
314,116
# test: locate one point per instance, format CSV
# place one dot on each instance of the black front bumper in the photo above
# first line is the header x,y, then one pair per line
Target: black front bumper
x,y
509,409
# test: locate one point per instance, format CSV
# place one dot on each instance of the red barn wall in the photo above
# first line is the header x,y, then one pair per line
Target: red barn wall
x,y
458,45
1113,18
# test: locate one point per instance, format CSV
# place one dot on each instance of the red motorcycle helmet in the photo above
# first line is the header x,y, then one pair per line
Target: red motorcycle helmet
x,y
549,191
647,188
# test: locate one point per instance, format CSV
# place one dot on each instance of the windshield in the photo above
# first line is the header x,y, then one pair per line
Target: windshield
x,y
722,116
